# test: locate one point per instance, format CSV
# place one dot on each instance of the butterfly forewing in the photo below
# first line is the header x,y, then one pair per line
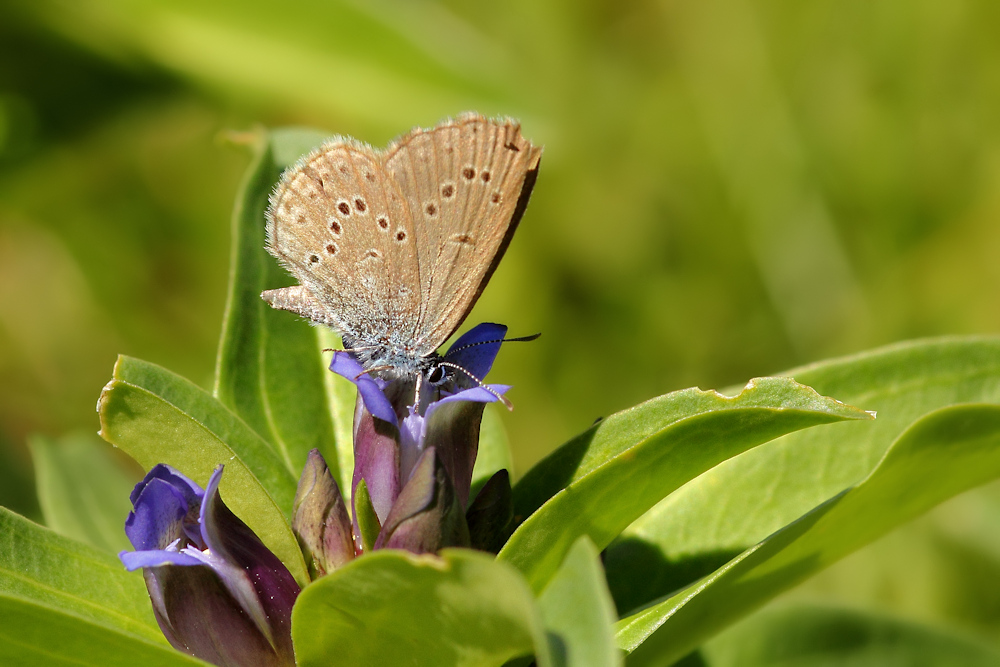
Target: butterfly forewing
x,y
463,182
341,226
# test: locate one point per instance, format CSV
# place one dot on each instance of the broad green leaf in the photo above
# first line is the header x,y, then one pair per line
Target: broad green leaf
x,y
949,451
152,429
617,470
33,634
461,609
72,579
259,457
813,636
494,450
705,524
578,611
269,369
82,490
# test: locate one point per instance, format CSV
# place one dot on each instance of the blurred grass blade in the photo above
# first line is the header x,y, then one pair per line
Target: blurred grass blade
x,y
269,367
158,417
39,567
705,524
83,491
801,635
949,451
617,470
372,72
462,609
578,611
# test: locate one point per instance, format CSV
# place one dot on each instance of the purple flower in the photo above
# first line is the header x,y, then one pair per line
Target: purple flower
x,y
218,593
416,453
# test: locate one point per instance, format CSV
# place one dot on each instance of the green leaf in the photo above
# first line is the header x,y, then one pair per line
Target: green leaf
x,y
197,404
613,473
83,491
947,452
494,450
368,523
144,421
462,609
33,634
578,611
269,369
705,524
812,636
40,567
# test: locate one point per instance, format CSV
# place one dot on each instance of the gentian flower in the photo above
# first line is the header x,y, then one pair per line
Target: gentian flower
x,y
416,453
218,593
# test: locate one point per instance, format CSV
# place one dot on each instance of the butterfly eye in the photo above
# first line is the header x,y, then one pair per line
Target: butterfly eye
x,y
436,376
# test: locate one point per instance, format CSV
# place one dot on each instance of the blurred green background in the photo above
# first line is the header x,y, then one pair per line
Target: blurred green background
x,y
729,188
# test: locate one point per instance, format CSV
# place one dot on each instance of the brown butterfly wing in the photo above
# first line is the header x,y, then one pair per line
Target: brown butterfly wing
x,y
466,183
340,225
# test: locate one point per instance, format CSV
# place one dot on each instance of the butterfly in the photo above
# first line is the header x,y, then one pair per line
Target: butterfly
x,y
392,248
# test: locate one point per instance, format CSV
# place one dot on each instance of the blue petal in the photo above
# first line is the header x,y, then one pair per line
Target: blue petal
x,y
157,519
345,365
191,491
475,394
473,353
133,560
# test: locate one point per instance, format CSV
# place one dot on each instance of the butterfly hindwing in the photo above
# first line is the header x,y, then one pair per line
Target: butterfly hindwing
x,y
339,224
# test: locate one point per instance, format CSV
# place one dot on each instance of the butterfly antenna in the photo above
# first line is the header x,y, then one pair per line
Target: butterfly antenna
x,y
502,399
520,339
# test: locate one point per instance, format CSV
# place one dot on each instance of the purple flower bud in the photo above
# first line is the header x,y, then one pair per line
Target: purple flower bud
x,y
319,519
218,593
417,460
426,516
